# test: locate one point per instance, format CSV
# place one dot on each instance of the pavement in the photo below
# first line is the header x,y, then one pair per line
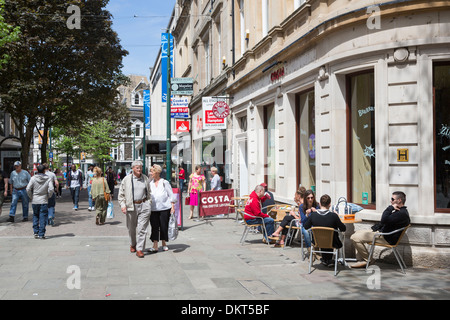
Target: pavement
x,y
82,261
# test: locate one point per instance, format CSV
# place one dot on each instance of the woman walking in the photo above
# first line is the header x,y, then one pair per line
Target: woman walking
x,y
163,205
98,190
197,183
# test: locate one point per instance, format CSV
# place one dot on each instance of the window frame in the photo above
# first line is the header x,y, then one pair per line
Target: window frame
x,y
349,145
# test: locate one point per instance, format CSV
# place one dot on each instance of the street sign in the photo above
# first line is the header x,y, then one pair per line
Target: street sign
x,y
182,86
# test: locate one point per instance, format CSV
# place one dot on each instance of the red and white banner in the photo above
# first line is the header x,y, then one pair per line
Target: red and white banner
x,y
212,203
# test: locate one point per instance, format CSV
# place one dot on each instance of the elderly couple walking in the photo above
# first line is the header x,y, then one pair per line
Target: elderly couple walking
x,y
145,200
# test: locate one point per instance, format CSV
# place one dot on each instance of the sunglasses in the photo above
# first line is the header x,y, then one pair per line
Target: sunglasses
x,y
392,199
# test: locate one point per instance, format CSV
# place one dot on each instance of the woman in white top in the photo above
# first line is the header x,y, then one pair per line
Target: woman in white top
x,y
163,205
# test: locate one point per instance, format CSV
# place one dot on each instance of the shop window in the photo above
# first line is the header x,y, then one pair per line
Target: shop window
x,y
441,84
361,138
306,140
269,146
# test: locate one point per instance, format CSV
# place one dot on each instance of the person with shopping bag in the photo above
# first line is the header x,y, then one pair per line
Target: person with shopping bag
x,y
163,206
101,195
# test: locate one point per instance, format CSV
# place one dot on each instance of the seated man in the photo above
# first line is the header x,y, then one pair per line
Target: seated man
x,y
326,218
253,208
395,216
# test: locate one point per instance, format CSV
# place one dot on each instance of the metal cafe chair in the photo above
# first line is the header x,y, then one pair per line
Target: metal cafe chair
x,y
292,227
322,238
393,247
248,227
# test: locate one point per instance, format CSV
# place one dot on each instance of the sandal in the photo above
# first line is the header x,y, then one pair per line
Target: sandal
x,y
279,245
274,237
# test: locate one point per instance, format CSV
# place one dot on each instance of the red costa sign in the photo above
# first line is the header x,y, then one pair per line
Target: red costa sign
x,y
276,75
215,202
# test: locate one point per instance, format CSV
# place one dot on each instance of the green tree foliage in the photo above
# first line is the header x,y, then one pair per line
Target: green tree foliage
x,y
7,34
57,76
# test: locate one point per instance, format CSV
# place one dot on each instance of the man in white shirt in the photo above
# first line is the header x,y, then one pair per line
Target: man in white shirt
x,y
135,200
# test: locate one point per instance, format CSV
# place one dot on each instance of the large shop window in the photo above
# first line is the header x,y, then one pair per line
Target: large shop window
x,y
306,140
361,138
441,84
269,146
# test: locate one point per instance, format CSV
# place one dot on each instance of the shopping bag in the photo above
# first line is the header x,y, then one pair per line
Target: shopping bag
x,y
173,228
110,210
187,201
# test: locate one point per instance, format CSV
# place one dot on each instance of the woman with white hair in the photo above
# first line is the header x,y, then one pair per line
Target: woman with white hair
x,y
163,205
215,180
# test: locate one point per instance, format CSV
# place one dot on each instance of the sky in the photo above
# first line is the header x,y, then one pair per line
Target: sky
x,y
139,24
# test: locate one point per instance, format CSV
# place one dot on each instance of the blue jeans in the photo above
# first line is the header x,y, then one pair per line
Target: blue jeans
x,y
15,198
306,237
269,223
75,192
91,201
51,206
40,216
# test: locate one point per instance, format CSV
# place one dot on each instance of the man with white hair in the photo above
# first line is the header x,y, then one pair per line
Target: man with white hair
x,y
135,201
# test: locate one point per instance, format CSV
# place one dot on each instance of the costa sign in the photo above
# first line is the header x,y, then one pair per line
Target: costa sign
x,y
215,202
276,75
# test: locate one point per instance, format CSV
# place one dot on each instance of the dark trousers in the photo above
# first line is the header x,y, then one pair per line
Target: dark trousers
x,y
159,220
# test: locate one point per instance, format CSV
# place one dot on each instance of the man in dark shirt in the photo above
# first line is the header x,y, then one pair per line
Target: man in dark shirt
x,y
325,218
395,216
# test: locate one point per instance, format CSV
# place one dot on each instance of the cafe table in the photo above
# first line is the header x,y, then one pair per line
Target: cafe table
x,y
239,203
280,211
347,219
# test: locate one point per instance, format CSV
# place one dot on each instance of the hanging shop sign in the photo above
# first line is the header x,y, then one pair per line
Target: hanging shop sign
x,y
179,108
211,113
182,86
182,126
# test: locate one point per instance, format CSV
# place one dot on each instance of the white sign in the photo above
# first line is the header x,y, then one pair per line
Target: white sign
x,y
210,121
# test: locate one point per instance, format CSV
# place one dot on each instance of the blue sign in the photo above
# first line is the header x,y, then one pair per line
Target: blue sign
x,y
164,47
146,94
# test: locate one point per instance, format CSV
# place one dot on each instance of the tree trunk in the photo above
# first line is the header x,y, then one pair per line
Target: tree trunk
x,y
25,139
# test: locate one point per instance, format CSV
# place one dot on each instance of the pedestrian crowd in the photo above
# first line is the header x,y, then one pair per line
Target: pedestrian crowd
x,y
150,200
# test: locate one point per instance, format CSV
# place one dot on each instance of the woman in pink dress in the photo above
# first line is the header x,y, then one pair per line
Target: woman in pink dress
x,y
197,183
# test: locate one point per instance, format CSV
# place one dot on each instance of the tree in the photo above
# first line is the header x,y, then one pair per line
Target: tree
x,y
7,34
58,76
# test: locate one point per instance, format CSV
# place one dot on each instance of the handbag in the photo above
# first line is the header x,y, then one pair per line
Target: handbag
x,y
110,210
187,201
173,228
106,195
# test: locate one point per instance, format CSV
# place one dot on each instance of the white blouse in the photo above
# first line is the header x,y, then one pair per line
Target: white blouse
x,y
162,195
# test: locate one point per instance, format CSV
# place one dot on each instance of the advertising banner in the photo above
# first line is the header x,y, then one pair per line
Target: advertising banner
x,y
146,96
179,108
212,203
164,47
211,113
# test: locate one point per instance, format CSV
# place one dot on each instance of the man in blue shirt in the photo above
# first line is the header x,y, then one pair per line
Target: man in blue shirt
x,y
19,180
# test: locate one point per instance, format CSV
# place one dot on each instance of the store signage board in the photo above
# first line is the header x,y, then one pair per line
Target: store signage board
x,y
210,119
182,86
179,108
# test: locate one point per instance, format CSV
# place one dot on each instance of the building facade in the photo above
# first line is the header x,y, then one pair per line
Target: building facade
x,y
348,98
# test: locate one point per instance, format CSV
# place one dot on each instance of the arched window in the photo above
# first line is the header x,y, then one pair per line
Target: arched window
x,y
136,98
